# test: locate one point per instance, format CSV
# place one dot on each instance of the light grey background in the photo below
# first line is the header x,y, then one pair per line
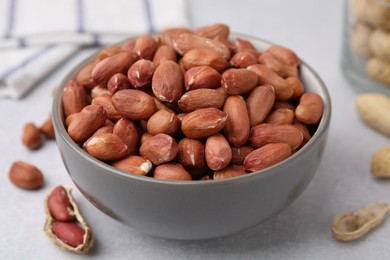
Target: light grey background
x,y
313,28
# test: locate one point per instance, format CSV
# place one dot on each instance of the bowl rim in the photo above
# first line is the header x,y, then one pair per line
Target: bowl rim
x,y
58,122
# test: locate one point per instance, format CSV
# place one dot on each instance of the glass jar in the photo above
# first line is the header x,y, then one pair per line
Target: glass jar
x,y
366,45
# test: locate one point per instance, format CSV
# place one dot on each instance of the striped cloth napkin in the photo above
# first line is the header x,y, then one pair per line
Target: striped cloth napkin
x,y
36,36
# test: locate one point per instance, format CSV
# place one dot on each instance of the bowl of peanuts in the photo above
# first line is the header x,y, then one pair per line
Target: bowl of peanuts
x,y
192,134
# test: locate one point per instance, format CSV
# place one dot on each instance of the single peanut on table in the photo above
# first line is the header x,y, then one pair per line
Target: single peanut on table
x,y
25,175
31,137
191,105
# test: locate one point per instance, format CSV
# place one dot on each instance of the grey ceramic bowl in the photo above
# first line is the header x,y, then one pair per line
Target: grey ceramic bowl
x,y
194,209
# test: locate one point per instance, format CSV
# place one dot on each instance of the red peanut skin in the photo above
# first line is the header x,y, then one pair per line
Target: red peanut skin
x,y
31,136
237,126
141,73
265,75
243,59
171,171
74,98
163,122
266,156
201,98
167,82
202,77
218,152
59,205
145,47
239,153
25,175
106,68
134,104
69,232
238,81
118,82
191,153
229,172
159,149
310,108
203,122
106,147
84,78
204,57
284,54
127,131
164,53
259,103
86,122
268,133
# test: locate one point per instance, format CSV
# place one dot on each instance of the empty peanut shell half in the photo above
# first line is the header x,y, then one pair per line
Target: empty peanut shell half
x,y
354,224
74,234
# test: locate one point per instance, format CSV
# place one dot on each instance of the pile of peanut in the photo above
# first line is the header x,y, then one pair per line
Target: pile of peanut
x,y
187,105
370,36
64,225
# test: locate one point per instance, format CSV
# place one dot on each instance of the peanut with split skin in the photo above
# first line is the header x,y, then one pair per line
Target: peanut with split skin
x,y
238,81
145,46
191,153
127,131
204,57
202,77
159,149
163,122
243,59
134,104
140,73
134,164
106,147
118,82
201,98
203,122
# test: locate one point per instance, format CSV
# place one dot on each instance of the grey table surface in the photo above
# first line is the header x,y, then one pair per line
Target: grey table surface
x,y
313,28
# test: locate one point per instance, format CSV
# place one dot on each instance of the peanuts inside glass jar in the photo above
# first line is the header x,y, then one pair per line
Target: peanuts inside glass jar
x,y
365,57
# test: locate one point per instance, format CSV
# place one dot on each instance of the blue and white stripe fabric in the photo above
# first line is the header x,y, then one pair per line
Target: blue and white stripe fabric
x,y
38,35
